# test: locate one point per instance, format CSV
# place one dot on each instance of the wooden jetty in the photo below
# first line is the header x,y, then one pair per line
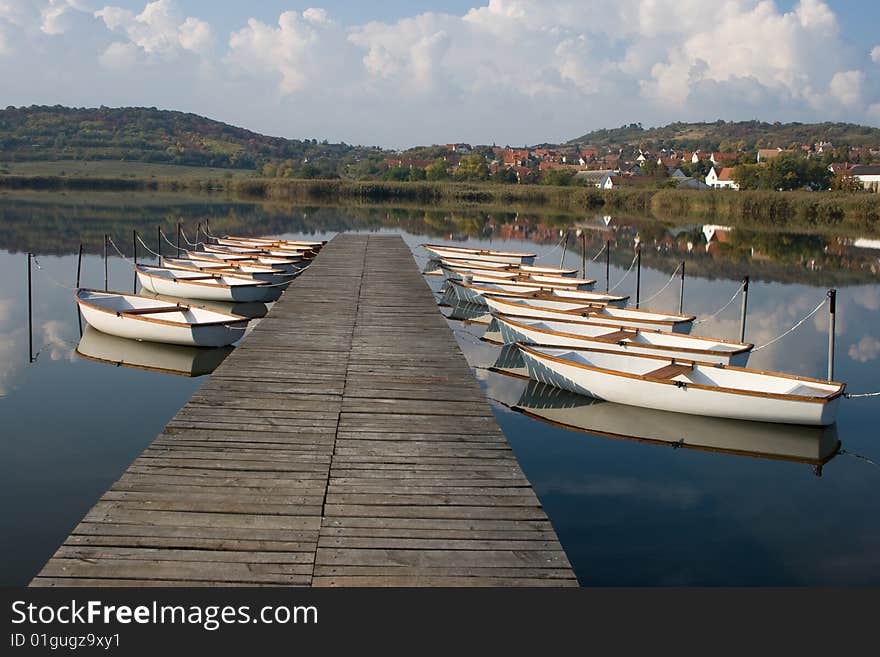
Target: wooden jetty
x,y
345,443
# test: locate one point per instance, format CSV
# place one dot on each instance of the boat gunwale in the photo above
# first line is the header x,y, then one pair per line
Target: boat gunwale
x,y
525,278
504,266
697,386
219,284
744,347
541,293
590,309
483,252
121,313
262,269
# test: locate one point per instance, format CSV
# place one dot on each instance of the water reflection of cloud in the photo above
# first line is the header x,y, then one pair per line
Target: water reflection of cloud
x,y
59,348
865,350
666,493
9,348
766,323
867,297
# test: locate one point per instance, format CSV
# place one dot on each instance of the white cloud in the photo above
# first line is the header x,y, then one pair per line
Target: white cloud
x,y
846,87
865,350
55,15
510,71
875,54
289,51
160,29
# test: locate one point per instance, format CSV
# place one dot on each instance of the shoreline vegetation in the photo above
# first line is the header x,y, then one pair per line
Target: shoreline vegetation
x,y
755,209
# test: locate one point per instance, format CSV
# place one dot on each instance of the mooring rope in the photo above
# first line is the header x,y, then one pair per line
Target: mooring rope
x,y
601,251
862,395
792,329
49,277
858,456
193,244
668,283
143,244
555,248
121,254
722,308
626,273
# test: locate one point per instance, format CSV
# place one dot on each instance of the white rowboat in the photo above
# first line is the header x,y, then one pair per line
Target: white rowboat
x,y
283,265
515,276
610,315
477,292
501,266
293,255
156,320
583,335
441,251
685,386
197,285
258,272
298,244
799,444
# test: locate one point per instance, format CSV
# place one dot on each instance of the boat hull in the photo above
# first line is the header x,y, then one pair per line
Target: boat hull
x,y
218,335
679,399
180,288
519,333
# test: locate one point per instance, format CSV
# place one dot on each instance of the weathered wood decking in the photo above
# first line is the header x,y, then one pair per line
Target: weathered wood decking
x,y
345,443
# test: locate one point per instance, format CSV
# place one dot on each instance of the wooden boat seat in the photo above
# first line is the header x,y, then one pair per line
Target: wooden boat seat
x,y
150,311
195,278
669,371
617,336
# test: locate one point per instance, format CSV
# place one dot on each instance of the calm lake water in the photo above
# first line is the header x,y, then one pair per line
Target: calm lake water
x,y
637,499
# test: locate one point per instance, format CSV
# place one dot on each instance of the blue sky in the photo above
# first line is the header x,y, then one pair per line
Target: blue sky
x,y
399,73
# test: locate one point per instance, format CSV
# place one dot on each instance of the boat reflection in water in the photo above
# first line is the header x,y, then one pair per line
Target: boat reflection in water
x,y
469,312
150,356
813,445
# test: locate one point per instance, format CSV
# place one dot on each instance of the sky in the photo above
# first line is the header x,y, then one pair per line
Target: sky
x,y
399,73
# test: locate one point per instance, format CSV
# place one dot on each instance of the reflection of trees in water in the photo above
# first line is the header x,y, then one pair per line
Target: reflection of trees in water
x,y
56,224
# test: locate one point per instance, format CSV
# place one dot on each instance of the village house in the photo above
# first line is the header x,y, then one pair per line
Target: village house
x,y
516,156
768,153
461,149
600,179
721,159
868,175
722,179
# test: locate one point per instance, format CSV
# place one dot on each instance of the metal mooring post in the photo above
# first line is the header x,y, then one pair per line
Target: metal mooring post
x,y
79,264
832,314
742,320
30,310
607,264
638,273
681,291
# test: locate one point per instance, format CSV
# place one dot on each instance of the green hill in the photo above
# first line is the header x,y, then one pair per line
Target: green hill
x,y
737,135
140,134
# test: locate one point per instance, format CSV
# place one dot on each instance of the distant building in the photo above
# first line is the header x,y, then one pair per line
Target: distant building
x,y
461,149
723,158
722,179
600,179
768,153
868,175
